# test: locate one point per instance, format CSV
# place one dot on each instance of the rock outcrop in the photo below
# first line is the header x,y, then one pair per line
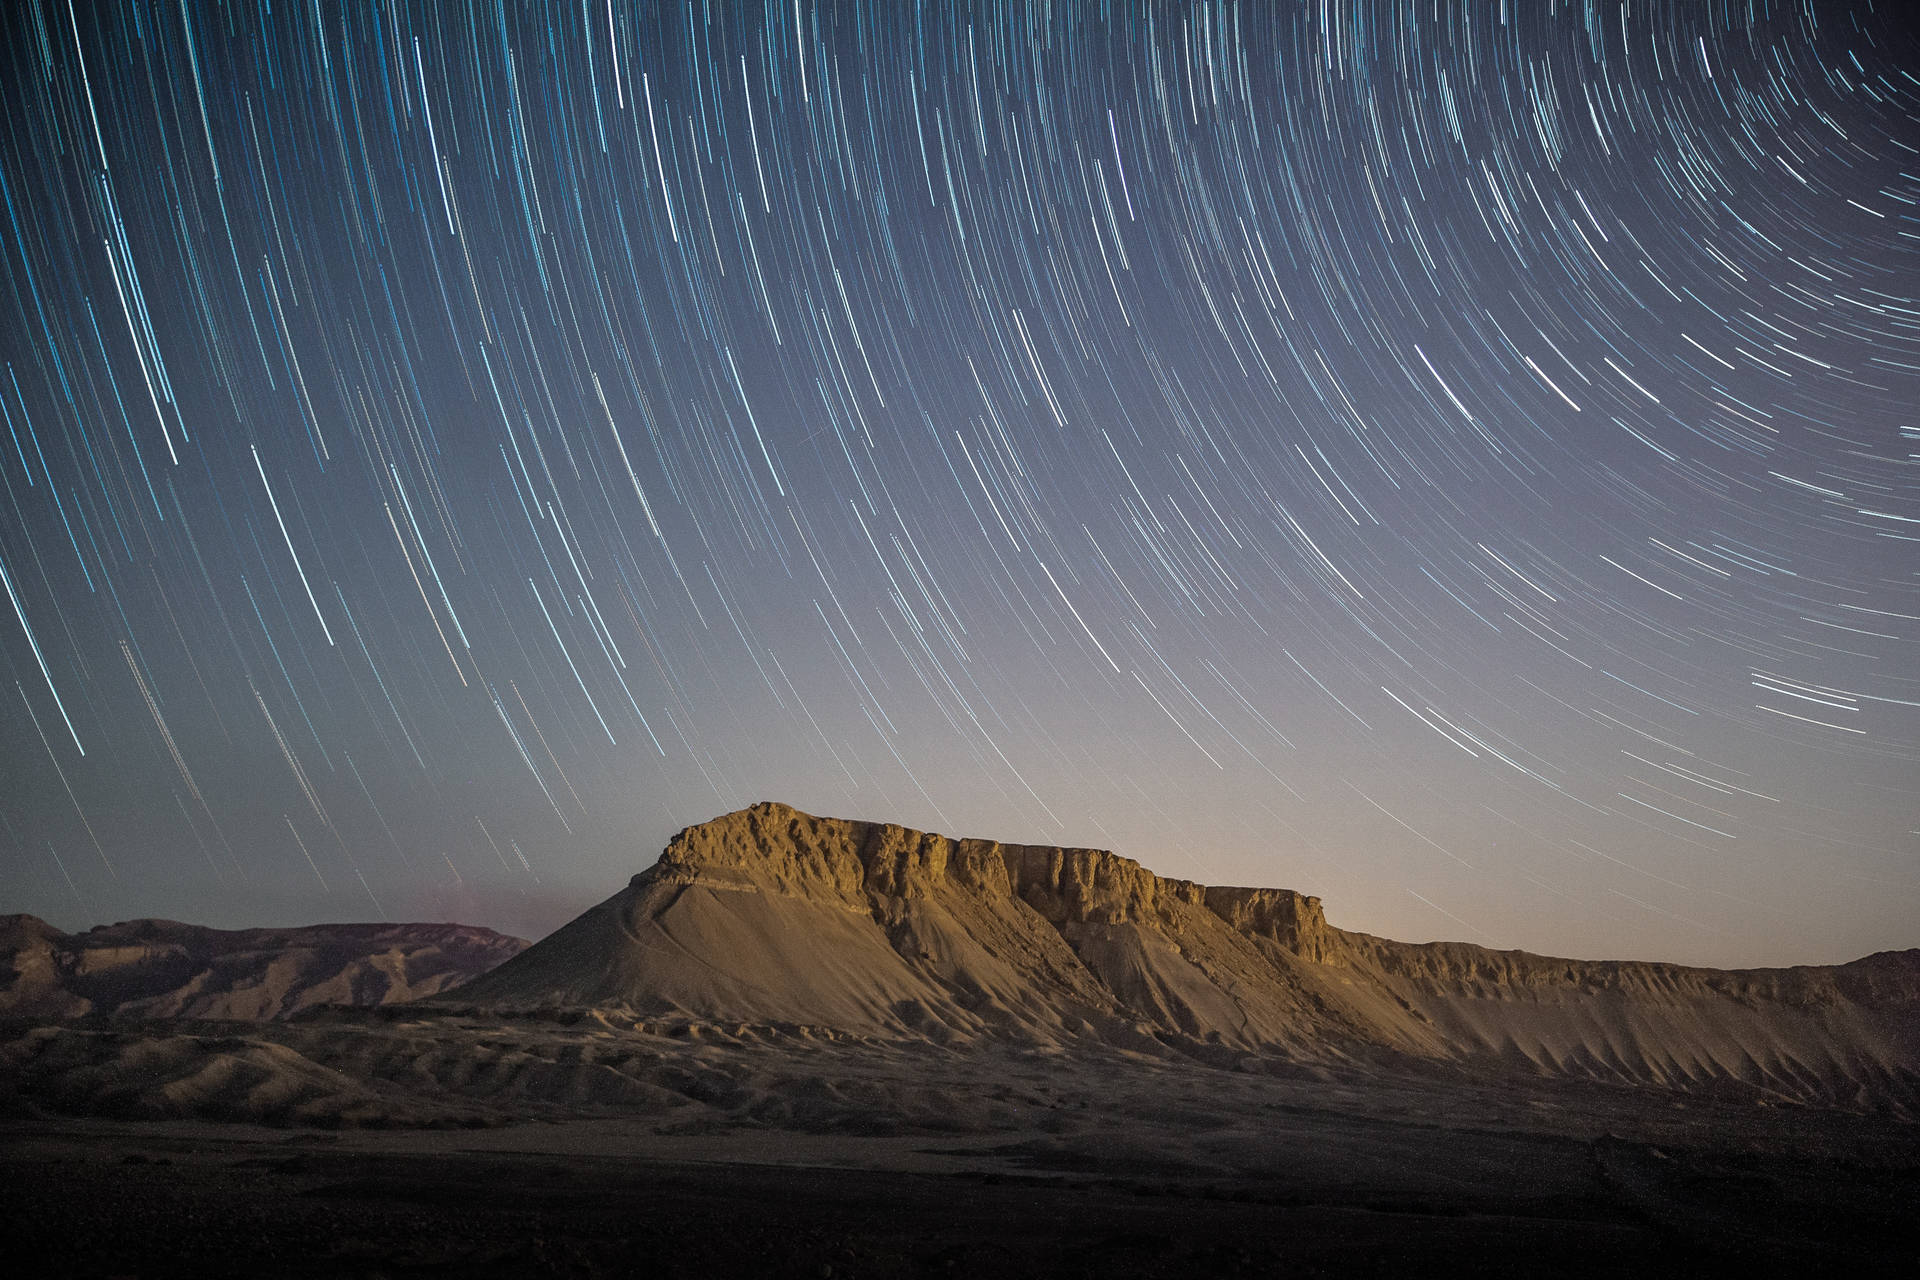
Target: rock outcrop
x,y
773,917
165,969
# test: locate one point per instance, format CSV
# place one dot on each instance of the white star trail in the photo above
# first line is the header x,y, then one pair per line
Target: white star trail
x,y
926,411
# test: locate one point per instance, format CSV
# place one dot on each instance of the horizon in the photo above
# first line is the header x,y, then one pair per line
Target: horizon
x,y
535,937
1457,466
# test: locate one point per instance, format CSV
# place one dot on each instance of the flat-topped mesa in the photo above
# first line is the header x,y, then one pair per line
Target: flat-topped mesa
x,y
774,847
772,917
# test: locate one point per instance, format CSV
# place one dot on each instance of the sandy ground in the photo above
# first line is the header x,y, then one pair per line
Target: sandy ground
x,y
1042,1167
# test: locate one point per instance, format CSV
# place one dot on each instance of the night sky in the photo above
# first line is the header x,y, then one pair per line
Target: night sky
x,y
1456,459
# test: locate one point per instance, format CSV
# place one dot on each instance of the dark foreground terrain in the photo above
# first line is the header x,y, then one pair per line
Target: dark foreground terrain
x,y
1300,1188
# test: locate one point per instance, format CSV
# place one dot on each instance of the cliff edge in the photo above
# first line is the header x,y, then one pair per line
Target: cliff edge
x,y
775,917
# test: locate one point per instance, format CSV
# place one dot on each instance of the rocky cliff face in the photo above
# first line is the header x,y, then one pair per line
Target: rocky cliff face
x,y
773,916
774,847
165,969
1291,920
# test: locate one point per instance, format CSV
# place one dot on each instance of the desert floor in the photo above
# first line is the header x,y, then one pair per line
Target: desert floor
x,y
1041,1168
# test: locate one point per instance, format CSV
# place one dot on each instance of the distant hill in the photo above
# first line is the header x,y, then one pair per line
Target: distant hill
x,y
773,917
165,969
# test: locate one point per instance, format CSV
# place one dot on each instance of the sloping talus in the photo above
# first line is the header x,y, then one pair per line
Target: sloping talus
x,y
773,916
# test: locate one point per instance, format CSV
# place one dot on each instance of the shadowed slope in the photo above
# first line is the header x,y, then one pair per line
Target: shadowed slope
x,y
772,916
165,969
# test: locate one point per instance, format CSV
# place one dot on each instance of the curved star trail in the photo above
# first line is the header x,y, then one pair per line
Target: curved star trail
x,y
1453,458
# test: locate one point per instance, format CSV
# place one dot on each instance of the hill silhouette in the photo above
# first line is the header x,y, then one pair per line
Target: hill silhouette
x,y
166,969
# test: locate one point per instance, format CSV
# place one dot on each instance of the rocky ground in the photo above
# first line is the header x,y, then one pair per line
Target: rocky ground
x,y
842,1159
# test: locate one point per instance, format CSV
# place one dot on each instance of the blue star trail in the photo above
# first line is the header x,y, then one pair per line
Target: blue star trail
x,y
1453,458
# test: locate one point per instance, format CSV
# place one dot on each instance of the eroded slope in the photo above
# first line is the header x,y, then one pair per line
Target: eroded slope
x,y
771,916
165,969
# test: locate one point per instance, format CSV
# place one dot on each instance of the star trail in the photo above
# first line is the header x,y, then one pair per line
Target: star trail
x,y
1453,458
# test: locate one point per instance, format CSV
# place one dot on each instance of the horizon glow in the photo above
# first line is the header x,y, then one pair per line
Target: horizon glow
x,y
1455,460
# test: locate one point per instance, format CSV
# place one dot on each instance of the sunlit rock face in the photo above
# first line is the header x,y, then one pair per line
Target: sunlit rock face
x,y
773,916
